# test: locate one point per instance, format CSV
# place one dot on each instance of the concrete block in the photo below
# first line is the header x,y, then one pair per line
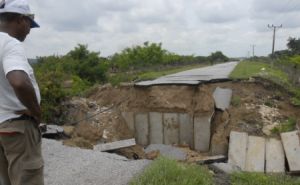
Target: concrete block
x,y
222,98
238,149
275,159
171,128
255,159
291,145
115,145
129,118
186,130
202,132
141,128
156,128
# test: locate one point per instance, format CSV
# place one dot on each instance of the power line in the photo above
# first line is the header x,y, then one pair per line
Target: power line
x,y
274,36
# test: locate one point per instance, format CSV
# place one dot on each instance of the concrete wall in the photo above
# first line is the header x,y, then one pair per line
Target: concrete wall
x,y
171,128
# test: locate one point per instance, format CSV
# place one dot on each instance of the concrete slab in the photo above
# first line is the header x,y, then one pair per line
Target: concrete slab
x,y
195,76
115,145
202,132
167,151
186,130
275,159
255,159
222,98
164,82
171,128
156,128
141,128
291,147
129,118
54,129
238,149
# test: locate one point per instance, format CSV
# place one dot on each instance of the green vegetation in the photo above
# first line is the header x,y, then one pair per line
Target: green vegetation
x,y
218,57
286,126
164,171
262,179
247,69
69,75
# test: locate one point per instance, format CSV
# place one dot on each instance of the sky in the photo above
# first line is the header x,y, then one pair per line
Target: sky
x,y
185,27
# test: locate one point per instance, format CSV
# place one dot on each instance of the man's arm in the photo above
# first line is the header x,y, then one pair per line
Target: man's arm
x,y
25,92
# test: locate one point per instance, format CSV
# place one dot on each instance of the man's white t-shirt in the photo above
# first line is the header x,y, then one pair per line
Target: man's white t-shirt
x,y
12,57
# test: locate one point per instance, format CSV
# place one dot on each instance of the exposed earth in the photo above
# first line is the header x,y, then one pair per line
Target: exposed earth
x,y
257,106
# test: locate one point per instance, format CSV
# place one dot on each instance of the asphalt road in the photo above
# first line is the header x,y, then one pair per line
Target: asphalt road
x,y
194,76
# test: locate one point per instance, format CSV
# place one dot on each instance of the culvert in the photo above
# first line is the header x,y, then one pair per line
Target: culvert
x,y
171,128
185,116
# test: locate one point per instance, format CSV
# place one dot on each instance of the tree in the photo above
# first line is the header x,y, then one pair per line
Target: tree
x,y
294,45
148,54
218,57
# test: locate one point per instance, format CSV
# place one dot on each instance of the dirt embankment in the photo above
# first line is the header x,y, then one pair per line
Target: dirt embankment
x,y
256,107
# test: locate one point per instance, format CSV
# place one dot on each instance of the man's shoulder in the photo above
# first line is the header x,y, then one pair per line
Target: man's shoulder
x,y
8,43
7,39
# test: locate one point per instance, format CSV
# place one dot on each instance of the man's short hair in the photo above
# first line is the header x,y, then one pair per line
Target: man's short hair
x,y
9,17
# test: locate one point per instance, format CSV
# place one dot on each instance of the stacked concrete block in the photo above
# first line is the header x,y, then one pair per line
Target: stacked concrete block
x,y
156,128
142,128
171,128
275,160
291,144
202,132
186,130
255,159
238,149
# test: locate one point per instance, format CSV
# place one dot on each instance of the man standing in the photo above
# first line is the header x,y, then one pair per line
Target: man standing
x,y
21,162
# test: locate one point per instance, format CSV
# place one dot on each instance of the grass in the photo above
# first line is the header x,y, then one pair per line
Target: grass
x,y
262,179
164,171
287,126
116,79
245,70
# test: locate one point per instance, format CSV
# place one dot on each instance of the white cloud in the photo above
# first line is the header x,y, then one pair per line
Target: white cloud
x,y
183,26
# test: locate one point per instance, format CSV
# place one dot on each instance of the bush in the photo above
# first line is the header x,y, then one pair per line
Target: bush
x,y
80,67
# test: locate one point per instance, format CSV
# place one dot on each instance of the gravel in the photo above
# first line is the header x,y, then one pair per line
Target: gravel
x,y
74,166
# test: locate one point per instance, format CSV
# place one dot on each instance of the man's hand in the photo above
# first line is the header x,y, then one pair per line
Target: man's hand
x,y
36,117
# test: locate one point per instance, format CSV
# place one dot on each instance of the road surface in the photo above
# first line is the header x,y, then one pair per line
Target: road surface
x,y
195,76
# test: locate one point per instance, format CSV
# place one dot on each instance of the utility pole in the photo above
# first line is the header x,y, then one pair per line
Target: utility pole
x,y
253,50
274,36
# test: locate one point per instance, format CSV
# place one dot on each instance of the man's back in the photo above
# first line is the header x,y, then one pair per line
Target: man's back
x,y
12,57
